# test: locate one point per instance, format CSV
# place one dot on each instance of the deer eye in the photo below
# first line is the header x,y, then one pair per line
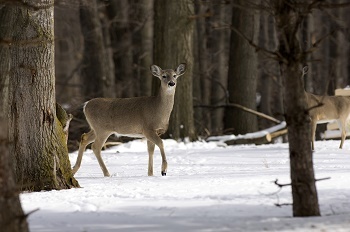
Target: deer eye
x,y
164,76
174,76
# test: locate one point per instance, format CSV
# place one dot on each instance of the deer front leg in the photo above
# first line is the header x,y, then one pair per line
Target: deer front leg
x,y
86,139
342,127
313,132
96,148
154,138
150,147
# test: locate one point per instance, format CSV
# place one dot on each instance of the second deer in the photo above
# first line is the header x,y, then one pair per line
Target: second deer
x,y
327,108
133,117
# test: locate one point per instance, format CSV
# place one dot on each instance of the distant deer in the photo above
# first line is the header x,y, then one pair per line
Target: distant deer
x,y
133,117
327,108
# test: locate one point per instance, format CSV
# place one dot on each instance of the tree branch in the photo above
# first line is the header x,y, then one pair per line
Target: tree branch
x,y
315,45
273,55
242,108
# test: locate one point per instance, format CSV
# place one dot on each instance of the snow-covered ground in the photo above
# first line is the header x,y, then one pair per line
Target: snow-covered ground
x,y
208,187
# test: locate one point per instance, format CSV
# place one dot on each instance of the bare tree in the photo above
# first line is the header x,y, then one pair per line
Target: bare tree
x,y
36,135
242,74
173,44
288,19
12,217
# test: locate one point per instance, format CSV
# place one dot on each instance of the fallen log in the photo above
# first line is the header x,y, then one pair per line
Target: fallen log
x,y
263,139
257,138
257,141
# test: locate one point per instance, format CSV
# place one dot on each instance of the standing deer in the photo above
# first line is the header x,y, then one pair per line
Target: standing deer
x,y
326,108
133,117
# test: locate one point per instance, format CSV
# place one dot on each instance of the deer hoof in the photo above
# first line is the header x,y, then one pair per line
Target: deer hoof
x,y
163,173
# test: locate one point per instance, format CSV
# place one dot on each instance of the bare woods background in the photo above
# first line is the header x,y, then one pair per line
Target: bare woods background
x,y
105,48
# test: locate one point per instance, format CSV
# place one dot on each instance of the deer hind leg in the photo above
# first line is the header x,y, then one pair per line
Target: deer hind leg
x,y
96,148
150,147
313,132
154,138
342,127
86,139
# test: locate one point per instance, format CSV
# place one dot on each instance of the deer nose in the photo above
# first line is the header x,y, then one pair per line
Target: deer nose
x,y
171,83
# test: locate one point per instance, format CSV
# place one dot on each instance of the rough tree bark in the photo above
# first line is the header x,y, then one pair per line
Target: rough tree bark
x,y
242,73
12,217
37,139
173,44
305,200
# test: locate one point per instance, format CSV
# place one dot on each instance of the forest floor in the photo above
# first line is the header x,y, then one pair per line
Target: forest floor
x,y
208,187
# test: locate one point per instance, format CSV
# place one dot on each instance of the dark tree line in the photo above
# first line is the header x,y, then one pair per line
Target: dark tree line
x,y
105,48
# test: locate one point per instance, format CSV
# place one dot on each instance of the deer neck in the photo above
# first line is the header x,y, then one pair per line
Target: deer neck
x,y
166,100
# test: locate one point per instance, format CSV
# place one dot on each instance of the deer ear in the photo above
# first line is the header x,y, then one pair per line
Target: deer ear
x,y
180,69
156,71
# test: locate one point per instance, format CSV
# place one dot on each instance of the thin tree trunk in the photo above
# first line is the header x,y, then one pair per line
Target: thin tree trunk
x,y
307,29
173,44
203,65
197,90
266,78
37,139
342,51
305,200
220,47
320,69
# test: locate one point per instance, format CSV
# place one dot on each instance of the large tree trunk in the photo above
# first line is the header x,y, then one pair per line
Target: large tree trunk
x,y
37,139
305,201
220,47
242,74
12,217
173,44
11,214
